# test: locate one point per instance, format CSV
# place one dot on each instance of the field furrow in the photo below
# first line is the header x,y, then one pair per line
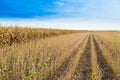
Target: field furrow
x,y
96,70
83,70
107,72
62,70
75,62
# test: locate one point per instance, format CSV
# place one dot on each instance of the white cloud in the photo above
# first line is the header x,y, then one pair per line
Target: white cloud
x,y
91,9
60,3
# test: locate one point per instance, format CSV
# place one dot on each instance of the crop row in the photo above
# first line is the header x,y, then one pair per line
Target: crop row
x,y
110,47
79,56
38,60
11,35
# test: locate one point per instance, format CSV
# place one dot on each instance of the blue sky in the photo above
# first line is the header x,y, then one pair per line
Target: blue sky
x,y
68,14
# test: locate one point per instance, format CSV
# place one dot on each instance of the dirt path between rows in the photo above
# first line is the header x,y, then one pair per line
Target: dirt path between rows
x,y
96,70
62,70
106,72
83,70
90,65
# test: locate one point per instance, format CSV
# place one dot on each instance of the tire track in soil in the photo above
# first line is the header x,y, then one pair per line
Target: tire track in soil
x,y
107,72
96,70
74,43
83,70
75,62
62,70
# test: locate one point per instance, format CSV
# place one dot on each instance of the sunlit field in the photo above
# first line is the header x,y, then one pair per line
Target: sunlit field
x,y
46,54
